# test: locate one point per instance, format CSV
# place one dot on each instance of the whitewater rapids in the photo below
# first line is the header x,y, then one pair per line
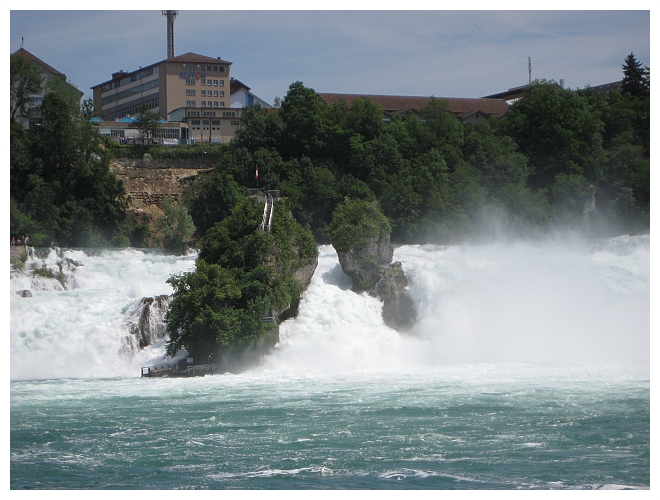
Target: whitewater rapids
x,y
560,303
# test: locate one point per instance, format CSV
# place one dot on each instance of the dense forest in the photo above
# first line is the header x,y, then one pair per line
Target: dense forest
x,y
558,158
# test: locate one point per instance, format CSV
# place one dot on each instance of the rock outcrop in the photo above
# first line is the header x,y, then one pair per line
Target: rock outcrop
x,y
398,307
371,269
372,272
362,241
146,324
365,264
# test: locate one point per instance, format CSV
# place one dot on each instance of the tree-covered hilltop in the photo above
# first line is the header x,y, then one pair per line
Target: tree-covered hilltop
x,y
243,275
558,158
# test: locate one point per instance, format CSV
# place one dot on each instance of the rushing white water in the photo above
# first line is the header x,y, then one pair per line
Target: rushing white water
x,y
556,303
78,332
560,302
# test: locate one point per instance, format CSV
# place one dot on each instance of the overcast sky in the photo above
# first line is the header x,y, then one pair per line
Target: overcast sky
x,y
440,53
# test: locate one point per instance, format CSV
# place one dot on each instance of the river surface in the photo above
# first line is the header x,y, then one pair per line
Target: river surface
x,y
529,368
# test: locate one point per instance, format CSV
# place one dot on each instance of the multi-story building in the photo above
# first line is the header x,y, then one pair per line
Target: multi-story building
x,y
189,88
189,80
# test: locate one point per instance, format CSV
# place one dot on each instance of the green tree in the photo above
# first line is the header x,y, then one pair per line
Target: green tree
x,y
304,123
210,199
148,123
558,130
60,174
354,222
176,226
311,189
635,77
26,79
259,129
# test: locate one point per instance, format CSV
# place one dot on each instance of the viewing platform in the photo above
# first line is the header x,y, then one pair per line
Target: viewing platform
x,y
184,368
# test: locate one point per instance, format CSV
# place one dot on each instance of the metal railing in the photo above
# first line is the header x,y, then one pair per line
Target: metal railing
x,y
171,370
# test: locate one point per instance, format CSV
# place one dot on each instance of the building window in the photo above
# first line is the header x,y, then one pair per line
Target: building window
x,y
203,104
203,93
202,81
222,68
191,91
222,83
168,133
222,104
195,122
235,123
190,67
222,93
190,81
191,103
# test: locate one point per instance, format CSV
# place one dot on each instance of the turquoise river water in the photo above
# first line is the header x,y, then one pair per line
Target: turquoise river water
x,y
528,369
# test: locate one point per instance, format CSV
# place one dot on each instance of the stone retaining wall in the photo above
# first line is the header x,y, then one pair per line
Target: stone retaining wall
x,y
147,186
17,252
193,163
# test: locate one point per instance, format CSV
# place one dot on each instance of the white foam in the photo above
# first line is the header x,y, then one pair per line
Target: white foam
x,y
508,306
77,333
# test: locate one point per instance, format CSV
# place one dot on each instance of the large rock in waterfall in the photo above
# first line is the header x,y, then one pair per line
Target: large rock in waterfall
x,y
146,324
361,235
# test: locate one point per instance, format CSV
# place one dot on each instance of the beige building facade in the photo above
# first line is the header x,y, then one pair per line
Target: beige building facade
x,y
189,88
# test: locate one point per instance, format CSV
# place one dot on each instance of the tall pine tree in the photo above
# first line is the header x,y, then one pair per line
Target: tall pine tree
x,y
635,77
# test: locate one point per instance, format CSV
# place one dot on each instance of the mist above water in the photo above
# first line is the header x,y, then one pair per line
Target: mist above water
x,y
556,303
561,302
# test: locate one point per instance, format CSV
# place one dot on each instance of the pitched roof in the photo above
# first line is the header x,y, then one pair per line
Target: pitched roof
x,y
396,104
236,85
35,59
512,93
606,87
197,58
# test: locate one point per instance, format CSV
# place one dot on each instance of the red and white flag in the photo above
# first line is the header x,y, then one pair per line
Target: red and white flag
x,y
256,173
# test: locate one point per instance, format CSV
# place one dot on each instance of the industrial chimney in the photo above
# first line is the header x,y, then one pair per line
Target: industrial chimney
x,y
171,14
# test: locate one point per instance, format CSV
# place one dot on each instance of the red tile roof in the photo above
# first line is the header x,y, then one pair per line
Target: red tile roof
x,y
397,104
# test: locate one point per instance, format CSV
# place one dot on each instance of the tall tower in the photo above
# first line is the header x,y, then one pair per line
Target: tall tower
x,y
171,14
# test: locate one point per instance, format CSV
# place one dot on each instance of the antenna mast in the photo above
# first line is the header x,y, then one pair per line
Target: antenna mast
x,y
529,68
171,14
